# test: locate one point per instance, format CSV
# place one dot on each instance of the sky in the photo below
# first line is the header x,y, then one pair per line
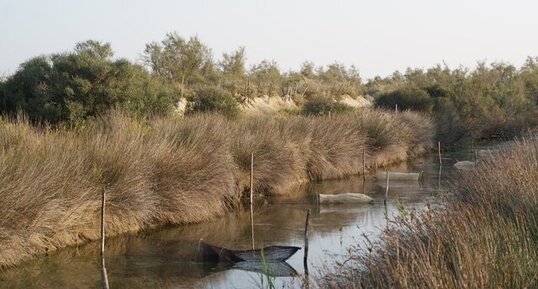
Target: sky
x,y
378,37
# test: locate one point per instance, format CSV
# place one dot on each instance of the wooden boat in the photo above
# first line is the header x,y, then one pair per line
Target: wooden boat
x,y
396,176
347,198
267,254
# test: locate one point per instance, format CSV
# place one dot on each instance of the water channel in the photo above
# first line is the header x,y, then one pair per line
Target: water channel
x,y
167,258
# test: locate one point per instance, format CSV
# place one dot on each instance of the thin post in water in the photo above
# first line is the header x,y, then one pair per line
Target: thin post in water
x,y
104,277
439,150
305,258
252,199
363,164
103,196
385,200
387,188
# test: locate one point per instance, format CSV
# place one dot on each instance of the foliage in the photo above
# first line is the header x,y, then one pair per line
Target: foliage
x,y
406,99
490,100
84,83
213,99
323,106
184,62
495,100
189,65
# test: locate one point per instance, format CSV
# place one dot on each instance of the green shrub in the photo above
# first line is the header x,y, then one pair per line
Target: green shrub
x,y
450,127
81,84
323,106
437,90
406,99
213,99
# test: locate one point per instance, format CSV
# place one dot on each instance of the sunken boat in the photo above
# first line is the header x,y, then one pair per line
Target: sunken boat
x,y
268,254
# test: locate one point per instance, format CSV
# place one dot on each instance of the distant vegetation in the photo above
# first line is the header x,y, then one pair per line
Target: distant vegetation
x,y
176,171
496,100
323,106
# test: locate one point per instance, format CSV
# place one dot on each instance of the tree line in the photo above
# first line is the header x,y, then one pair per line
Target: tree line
x,y
490,100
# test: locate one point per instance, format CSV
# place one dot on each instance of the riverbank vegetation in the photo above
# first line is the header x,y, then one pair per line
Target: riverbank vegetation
x,y
486,236
175,170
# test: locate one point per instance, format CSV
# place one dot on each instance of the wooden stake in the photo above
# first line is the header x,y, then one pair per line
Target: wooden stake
x,y
396,109
252,198
363,164
103,195
385,200
104,276
305,258
387,189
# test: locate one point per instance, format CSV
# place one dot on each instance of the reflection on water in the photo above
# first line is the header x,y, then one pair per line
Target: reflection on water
x,y
168,258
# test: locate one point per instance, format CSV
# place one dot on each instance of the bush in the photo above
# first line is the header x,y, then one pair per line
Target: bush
x,y
323,106
406,99
449,126
83,84
213,99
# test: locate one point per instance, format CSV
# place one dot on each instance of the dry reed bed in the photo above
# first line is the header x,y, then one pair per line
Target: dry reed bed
x,y
174,171
486,237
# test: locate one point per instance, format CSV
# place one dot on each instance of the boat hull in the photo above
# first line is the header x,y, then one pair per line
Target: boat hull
x,y
213,253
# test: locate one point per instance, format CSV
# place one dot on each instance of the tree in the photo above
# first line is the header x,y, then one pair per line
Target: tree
x,y
83,83
213,99
180,61
233,75
267,77
233,64
323,106
406,98
307,69
32,90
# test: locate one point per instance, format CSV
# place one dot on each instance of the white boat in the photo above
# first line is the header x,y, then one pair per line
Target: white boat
x,y
347,198
464,165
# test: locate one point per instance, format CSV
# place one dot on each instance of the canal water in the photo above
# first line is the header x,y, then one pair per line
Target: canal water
x,y
167,258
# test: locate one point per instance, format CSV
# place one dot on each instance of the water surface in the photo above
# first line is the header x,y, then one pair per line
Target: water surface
x,y
168,258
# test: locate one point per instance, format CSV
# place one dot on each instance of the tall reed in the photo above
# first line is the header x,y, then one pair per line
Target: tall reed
x,y
486,236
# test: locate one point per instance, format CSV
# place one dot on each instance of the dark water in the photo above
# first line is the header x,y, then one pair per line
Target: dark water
x,y
168,258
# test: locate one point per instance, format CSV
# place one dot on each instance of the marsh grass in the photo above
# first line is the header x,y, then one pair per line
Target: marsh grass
x,y
173,171
486,236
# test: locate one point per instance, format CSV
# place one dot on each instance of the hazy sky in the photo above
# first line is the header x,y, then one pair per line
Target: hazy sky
x,y
378,37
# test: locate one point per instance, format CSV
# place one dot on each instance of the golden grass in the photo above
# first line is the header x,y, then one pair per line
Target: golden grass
x,y
173,171
484,237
